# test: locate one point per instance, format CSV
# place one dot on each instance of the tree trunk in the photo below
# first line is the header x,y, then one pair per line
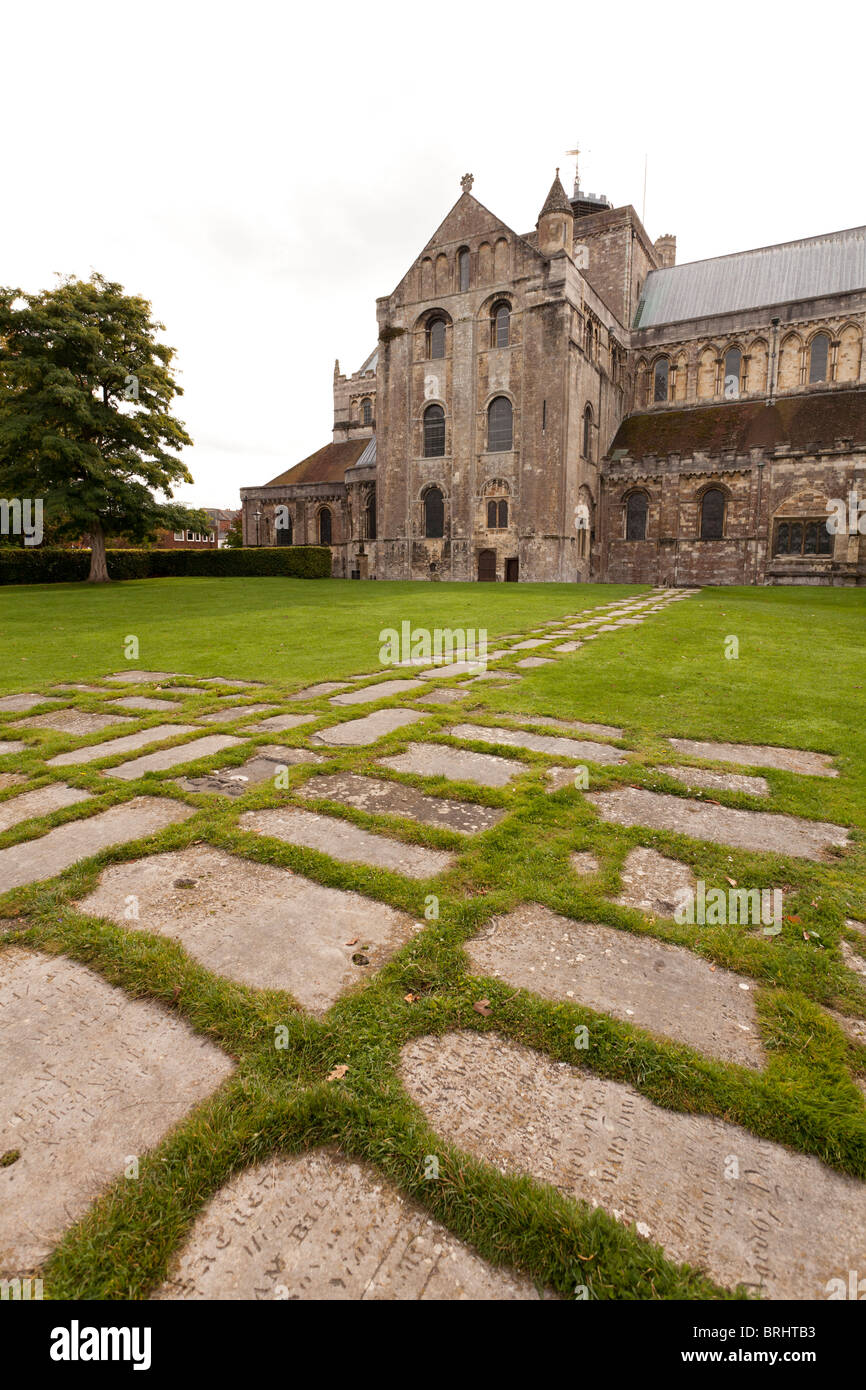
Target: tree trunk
x,y
98,566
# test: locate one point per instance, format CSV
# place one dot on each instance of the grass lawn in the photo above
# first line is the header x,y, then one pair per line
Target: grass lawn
x,y
798,679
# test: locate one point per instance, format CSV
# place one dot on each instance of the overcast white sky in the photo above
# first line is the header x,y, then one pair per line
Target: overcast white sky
x,y
261,173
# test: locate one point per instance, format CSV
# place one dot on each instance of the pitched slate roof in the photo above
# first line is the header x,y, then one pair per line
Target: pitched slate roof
x,y
804,422
820,265
326,465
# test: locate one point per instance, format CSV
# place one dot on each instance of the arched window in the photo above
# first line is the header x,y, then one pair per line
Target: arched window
x,y
284,529
636,508
497,514
434,432
587,340
463,270
367,411
713,514
587,432
819,355
436,338
325,526
434,514
500,326
370,515
661,376
733,368
500,425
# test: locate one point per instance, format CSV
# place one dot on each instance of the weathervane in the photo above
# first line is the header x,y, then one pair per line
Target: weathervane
x,y
576,153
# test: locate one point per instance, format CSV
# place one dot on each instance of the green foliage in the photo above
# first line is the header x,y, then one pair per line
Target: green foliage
x,y
235,534
49,566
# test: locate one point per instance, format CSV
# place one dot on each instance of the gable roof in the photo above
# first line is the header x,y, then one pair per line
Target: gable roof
x,y
810,422
326,465
820,265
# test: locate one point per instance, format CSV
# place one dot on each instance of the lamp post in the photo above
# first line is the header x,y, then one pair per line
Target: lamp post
x,y
258,526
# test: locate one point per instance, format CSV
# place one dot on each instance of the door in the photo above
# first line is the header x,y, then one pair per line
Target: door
x,y
512,569
486,565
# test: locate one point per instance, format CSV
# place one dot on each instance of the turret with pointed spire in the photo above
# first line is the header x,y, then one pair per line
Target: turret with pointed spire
x,y
555,225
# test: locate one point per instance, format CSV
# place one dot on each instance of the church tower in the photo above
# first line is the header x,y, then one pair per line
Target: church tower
x,y
555,225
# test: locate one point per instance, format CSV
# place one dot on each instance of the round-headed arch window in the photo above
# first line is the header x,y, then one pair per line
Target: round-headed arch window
x,y
500,425
434,432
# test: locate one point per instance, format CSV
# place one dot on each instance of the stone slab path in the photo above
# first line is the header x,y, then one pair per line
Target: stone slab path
x,y
149,704
666,989
136,677
653,883
457,764
343,840
579,749
750,830
382,690
126,743
232,712
173,757
12,745
784,1227
98,1077
25,701
40,802
254,923
280,723
355,733
237,781
759,755
381,797
320,1226
71,721
57,850
702,777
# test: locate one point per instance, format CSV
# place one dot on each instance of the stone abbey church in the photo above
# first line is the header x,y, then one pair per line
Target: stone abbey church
x,y
570,404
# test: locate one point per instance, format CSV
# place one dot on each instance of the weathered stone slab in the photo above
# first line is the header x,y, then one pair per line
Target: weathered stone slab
x,y
381,797
254,923
343,840
382,690
55,851
457,764
136,677
357,732
89,689
10,703
785,1226
71,721
853,959
853,1028
126,1073
663,988
528,662
321,1226
125,744
221,680
40,802
237,781
552,744
11,779
493,676
567,647
583,861
457,668
173,757
12,745
653,883
750,830
231,712
759,755
311,692
447,696
718,781
149,704
571,725
280,723
530,642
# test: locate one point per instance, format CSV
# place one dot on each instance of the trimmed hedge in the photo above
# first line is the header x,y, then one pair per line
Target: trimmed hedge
x,y
23,565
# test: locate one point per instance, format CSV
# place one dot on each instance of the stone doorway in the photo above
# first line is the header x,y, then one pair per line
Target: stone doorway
x,y
512,570
486,565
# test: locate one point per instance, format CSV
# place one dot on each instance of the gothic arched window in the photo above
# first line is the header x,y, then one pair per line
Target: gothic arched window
x,y
463,270
497,514
434,514
713,514
636,508
436,338
819,355
434,432
500,326
500,425
370,515
661,377
733,369
325,526
367,411
587,432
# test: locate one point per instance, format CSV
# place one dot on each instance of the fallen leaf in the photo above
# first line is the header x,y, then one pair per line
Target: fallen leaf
x,y
411,998
482,1006
353,942
731,881
794,918
337,1074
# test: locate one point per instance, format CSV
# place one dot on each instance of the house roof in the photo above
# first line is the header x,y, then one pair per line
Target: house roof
x,y
326,465
810,422
820,265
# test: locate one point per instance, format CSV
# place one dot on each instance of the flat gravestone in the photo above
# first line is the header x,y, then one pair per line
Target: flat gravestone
x,y
576,726
173,757
63,846
583,861
16,703
40,802
148,703
357,732
457,764
321,1226
759,755
381,797
12,745
343,840
853,1028
785,1226
72,721
236,781
529,661
383,690
281,723
553,745
665,989
704,778
653,883
125,744
311,692
254,923
750,830
127,1072
232,712
135,677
